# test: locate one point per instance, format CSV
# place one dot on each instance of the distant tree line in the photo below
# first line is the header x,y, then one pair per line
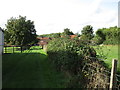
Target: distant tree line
x,y
57,35
102,36
87,33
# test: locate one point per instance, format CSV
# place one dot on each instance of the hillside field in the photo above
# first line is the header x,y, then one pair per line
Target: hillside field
x,y
109,52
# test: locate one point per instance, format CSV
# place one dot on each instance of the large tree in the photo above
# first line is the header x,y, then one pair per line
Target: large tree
x,y
87,32
100,36
20,31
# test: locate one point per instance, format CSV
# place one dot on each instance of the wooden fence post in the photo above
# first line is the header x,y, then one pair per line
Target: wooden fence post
x,y
113,81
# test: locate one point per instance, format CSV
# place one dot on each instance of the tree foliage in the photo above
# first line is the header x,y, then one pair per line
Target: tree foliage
x,y
52,35
107,35
67,32
99,37
20,31
87,32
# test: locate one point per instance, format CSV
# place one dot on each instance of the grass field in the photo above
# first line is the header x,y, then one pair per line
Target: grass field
x,y
108,52
30,69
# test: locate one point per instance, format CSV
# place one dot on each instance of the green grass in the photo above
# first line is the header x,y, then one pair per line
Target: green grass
x,y
30,69
109,52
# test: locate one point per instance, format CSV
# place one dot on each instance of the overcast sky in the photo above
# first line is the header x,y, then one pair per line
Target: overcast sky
x,y
51,16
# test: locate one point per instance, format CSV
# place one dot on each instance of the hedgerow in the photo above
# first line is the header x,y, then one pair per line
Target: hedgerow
x,y
79,61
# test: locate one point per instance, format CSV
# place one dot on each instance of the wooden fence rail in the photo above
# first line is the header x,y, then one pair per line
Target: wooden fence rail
x,y
14,48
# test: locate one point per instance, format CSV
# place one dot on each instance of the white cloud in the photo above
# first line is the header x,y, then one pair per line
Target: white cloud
x,y
54,15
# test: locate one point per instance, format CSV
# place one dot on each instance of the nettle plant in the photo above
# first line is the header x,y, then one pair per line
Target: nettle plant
x,y
77,59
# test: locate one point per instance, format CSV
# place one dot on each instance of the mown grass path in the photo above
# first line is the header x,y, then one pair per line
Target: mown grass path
x,y
30,70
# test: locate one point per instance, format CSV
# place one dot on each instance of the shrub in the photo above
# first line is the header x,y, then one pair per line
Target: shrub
x,y
77,59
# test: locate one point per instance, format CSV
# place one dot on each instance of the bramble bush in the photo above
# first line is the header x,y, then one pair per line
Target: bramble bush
x,y
79,61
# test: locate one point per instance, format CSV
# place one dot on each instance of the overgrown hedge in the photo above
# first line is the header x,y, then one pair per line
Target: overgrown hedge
x,y
79,61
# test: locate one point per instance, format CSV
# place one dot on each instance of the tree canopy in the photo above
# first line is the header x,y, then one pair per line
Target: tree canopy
x,y
20,31
67,32
107,35
87,32
52,35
